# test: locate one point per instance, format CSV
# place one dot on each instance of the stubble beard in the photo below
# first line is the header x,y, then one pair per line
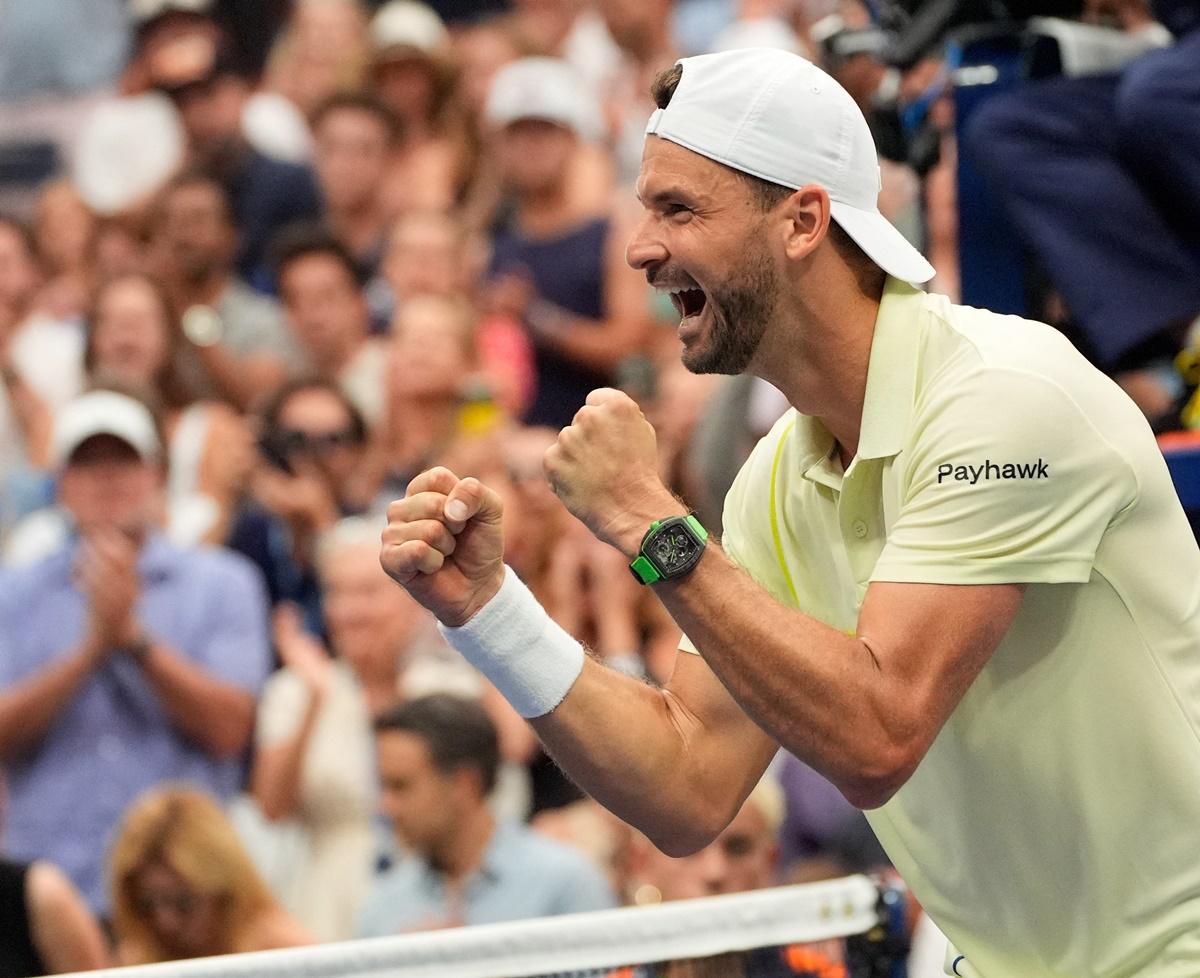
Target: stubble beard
x,y
740,312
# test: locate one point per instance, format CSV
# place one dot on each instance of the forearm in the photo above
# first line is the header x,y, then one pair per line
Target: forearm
x,y
29,708
215,714
639,751
817,691
599,345
279,769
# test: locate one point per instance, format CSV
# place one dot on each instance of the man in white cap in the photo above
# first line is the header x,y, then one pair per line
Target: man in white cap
x,y
124,661
955,579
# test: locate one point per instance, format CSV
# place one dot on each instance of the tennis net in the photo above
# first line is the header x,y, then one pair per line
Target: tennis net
x,y
834,929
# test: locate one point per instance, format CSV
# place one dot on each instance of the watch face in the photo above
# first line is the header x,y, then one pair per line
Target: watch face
x,y
674,548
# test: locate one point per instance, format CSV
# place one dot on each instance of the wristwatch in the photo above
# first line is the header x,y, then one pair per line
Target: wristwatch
x,y
203,326
669,550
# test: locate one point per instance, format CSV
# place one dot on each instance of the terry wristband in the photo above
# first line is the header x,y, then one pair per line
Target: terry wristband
x,y
525,654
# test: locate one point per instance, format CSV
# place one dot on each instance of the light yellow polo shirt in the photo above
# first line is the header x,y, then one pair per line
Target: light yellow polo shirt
x,y
1053,828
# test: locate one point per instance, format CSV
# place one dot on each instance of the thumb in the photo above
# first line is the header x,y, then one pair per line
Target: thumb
x,y
471,499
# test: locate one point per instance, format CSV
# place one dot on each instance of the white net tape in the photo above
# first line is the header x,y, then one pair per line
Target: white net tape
x,y
587,942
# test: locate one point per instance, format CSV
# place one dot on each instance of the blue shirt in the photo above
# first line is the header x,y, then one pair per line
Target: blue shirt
x,y
524,875
114,740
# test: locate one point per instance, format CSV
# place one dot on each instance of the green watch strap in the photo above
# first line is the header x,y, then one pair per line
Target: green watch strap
x,y
643,568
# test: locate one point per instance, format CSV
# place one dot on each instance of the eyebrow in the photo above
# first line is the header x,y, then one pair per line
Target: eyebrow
x,y
664,195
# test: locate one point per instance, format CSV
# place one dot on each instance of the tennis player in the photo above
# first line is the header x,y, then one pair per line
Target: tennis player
x,y
955,578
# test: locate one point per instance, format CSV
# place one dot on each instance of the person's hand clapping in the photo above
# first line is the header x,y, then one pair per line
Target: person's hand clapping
x,y
604,468
108,577
444,543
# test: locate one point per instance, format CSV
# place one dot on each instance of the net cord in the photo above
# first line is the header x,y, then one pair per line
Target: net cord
x,y
578,942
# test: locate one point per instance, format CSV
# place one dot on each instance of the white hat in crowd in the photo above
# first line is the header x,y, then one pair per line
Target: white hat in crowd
x,y
542,88
143,11
778,117
104,413
408,24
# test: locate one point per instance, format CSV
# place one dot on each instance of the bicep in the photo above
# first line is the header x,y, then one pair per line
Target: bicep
x,y
931,640
67,936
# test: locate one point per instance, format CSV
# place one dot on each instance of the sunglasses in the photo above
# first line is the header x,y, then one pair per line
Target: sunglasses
x,y
294,441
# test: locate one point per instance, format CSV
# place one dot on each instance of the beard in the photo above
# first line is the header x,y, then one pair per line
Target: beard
x,y
740,311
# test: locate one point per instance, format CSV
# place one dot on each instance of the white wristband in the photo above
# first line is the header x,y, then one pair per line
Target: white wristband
x,y
527,655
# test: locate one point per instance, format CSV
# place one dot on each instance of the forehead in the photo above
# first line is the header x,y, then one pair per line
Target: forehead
x,y
402,751
668,168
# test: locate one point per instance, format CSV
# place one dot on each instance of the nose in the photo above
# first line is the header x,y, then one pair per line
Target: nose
x,y
645,248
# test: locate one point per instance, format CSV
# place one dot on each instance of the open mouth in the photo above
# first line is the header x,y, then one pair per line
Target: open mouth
x,y
688,302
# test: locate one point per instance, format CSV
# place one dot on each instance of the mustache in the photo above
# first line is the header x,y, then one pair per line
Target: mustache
x,y
667,277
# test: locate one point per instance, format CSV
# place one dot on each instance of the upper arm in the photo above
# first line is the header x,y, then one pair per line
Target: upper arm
x,y
929,642
66,935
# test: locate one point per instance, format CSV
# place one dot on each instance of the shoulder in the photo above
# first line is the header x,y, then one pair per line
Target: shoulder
x,y
273,928
548,859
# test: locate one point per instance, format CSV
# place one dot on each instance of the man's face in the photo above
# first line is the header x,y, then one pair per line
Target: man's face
x,y
534,155
703,237
418,799
105,484
194,233
324,305
318,434
352,151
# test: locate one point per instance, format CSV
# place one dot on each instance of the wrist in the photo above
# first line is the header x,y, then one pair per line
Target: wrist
x,y
636,525
479,601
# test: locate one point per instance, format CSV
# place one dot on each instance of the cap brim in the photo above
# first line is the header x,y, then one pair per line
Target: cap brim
x,y
884,245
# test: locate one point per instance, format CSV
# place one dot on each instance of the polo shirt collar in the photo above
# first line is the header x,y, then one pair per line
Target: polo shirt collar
x,y
892,372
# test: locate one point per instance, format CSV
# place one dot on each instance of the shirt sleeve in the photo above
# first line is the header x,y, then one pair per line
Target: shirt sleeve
x,y
1007,481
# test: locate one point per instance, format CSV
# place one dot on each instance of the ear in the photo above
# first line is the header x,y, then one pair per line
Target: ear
x,y
807,215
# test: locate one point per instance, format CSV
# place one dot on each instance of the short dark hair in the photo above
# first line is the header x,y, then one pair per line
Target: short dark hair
x,y
272,407
362,102
457,731
768,194
200,177
302,240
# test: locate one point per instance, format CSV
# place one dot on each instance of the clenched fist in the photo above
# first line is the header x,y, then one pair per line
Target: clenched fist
x,y
604,468
444,544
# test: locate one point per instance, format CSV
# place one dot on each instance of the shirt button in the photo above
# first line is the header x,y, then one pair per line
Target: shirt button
x,y
860,529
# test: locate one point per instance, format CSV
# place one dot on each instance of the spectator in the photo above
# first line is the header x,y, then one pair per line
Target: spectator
x,y
266,194
183,886
313,768
134,342
125,660
322,51
431,365
355,140
413,75
64,229
312,441
39,357
438,758
236,346
45,925
558,266
1101,176
321,286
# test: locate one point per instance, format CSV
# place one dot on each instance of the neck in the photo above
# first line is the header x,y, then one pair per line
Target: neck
x,y
421,424
360,227
333,358
547,210
461,852
821,366
201,291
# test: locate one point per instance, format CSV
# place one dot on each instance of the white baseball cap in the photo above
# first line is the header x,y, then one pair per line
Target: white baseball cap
x,y
408,24
104,413
542,88
776,116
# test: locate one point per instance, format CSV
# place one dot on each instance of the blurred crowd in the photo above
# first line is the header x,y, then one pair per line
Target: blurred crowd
x,y
260,265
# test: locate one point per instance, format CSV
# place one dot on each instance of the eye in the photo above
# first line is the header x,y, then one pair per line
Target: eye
x,y
677,210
